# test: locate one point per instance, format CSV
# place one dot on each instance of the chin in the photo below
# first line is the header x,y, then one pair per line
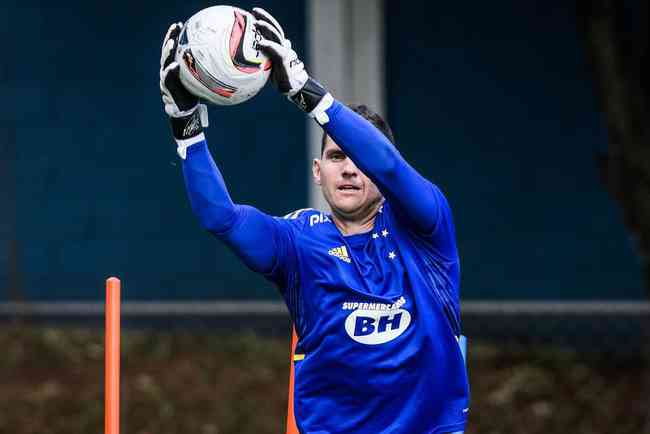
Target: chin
x,y
349,207
346,208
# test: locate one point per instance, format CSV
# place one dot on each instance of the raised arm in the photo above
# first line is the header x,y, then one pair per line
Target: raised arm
x,y
412,196
258,239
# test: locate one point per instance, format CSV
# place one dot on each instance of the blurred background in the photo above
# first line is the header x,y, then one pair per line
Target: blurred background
x,y
531,116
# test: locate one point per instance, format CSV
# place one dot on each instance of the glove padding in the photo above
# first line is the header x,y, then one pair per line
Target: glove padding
x,y
186,116
178,101
288,73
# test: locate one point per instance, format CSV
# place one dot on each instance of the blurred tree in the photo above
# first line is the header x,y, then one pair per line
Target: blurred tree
x,y
616,38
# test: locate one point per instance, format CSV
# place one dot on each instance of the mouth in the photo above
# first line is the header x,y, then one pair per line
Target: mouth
x,y
348,188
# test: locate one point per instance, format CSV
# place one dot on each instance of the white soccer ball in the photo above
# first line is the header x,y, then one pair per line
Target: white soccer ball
x,y
218,56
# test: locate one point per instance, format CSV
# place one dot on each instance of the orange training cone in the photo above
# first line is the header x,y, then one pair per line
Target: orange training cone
x,y
291,420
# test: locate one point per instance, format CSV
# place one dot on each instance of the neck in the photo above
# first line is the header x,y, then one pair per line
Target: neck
x,y
359,223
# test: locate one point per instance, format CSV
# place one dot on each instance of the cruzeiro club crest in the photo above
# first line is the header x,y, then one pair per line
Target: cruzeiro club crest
x,y
376,323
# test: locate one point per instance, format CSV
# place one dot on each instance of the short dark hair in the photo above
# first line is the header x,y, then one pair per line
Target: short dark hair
x,y
373,117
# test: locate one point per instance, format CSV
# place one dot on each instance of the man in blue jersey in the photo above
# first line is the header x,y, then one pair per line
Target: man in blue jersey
x,y
372,287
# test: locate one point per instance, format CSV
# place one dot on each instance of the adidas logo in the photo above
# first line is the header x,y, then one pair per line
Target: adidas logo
x,y
341,253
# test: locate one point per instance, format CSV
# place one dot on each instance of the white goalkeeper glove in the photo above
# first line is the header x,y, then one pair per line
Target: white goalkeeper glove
x,y
187,117
288,73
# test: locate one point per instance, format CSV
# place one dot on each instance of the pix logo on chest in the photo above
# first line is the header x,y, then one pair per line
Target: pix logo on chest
x,y
376,323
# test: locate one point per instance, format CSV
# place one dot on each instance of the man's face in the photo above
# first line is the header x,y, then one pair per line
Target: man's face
x,y
347,190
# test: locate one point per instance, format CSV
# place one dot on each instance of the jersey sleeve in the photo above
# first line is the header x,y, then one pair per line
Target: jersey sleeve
x,y
262,242
414,199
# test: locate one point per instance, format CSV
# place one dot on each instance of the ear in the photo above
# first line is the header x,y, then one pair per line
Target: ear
x,y
315,170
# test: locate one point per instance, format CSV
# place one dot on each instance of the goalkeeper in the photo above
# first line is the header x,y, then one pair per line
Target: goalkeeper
x,y
372,287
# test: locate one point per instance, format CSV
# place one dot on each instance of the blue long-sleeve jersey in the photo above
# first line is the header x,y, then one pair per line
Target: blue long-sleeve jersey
x,y
377,314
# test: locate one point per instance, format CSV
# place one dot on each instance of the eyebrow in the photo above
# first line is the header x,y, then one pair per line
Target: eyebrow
x,y
331,152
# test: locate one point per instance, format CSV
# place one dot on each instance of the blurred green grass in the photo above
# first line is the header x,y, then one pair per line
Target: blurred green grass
x,y
51,382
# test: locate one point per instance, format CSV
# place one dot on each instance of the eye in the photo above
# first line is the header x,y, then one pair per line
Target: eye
x,y
337,156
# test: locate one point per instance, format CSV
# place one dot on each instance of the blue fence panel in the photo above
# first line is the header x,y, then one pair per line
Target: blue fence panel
x,y
97,187
495,103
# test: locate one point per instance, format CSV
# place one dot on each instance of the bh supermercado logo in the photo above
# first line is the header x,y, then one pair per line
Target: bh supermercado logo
x,y
376,323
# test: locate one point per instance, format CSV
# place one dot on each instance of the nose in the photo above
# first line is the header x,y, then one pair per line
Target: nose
x,y
349,169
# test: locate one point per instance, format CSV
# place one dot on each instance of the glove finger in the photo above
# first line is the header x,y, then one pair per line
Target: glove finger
x,y
171,72
173,32
279,57
167,99
183,98
170,44
169,32
167,55
163,87
295,64
272,49
262,15
163,75
269,32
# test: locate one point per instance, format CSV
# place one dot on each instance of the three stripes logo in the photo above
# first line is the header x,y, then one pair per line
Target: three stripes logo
x,y
341,253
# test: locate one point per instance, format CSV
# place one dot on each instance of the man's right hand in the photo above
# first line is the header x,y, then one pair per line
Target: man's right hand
x,y
178,101
186,116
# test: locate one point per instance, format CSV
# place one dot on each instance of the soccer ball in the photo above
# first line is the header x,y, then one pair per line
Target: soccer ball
x,y
218,56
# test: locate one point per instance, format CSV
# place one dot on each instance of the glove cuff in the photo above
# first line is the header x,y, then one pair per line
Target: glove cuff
x,y
319,113
188,130
182,145
190,125
308,97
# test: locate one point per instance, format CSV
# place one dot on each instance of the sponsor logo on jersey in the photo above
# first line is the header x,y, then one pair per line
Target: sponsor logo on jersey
x,y
318,218
314,219
376,323
340,252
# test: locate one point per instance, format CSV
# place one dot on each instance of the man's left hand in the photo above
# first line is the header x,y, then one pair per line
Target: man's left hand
x,y
289,74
